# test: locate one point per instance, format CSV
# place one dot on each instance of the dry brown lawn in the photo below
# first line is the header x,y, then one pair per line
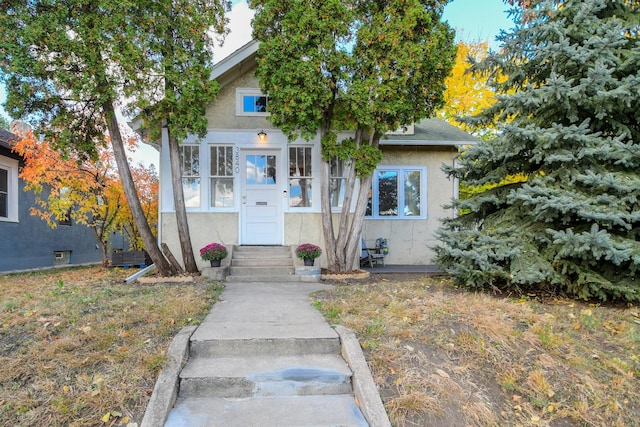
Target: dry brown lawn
x,y
79,347
442,356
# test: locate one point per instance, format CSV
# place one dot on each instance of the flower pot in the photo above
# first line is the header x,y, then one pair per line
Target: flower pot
x,y
309,261
215,263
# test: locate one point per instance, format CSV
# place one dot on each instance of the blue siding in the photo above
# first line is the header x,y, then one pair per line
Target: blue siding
x,y
30,243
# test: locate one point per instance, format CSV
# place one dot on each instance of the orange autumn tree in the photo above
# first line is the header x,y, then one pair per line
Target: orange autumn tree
x,y
147,185
85,191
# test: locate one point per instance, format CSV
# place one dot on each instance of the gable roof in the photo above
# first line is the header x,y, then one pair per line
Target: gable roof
x,y
432,131
236,64
7,139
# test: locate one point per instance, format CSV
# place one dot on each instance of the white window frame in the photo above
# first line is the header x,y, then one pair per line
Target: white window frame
x,y
185,175
11,166
310,176
401,170
241,92
234,175
345,166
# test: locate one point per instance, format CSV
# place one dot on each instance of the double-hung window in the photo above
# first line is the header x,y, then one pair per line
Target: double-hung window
x,y
221,178
8,190
190,158
398,193
300,177
337,181
4,193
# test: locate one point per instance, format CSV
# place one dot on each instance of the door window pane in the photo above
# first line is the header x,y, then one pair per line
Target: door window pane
x,y
261,169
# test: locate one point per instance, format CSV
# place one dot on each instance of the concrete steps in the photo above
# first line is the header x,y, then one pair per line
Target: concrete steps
x,y
298,411
264,357
262,264
265,376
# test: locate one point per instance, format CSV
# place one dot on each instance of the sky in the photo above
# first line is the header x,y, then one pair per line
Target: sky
x,y
473,20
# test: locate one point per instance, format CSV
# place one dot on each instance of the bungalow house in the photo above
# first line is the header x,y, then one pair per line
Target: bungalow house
x,y
27,242
245,184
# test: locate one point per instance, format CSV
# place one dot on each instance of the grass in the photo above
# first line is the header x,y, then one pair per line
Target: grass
x,y
446,357
79,347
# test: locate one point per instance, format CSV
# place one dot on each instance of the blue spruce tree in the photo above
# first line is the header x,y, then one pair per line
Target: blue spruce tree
x,y
568,110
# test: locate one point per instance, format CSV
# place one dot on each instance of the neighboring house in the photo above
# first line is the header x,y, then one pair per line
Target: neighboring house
x,y
244,184
27,242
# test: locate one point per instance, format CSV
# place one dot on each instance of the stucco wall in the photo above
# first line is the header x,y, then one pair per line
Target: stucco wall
x,y
221,114
205,228
410,240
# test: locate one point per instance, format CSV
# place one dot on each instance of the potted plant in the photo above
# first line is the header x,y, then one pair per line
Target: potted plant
x,y
214,252
308,252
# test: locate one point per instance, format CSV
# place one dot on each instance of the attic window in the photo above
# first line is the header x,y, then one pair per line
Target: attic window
x,y
251,102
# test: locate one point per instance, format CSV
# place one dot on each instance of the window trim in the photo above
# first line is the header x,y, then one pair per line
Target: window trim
x,y
11,166
401,170
310,177
241,92
234,175
198,176
346,169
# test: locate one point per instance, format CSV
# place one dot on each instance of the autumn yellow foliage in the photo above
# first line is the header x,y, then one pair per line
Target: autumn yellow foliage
x,y
467,93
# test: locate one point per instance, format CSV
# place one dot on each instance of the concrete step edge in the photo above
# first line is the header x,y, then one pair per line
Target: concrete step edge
x,y
273,347
242,377
262,262
270,279
262,271
255,365
318,411
261,249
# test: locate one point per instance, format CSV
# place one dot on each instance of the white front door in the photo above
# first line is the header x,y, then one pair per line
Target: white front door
x,y
261,213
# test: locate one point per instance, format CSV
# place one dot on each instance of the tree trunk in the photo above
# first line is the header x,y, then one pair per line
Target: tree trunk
x,y
180,208
342,252
169,255
151,245
105,253
352,245
327,219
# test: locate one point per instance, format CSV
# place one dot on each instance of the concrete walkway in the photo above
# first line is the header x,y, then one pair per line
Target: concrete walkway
x,y
265,357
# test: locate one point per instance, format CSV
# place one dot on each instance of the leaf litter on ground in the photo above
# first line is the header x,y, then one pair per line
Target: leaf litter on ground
x,y
443,356
79,347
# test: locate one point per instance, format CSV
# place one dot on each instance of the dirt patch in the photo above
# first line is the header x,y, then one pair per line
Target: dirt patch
x,y
358,275
176,279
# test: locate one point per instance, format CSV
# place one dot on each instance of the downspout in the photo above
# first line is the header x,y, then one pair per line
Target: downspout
x,y
456,187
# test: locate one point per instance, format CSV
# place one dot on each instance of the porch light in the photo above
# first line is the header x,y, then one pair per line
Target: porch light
x,y
262,136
